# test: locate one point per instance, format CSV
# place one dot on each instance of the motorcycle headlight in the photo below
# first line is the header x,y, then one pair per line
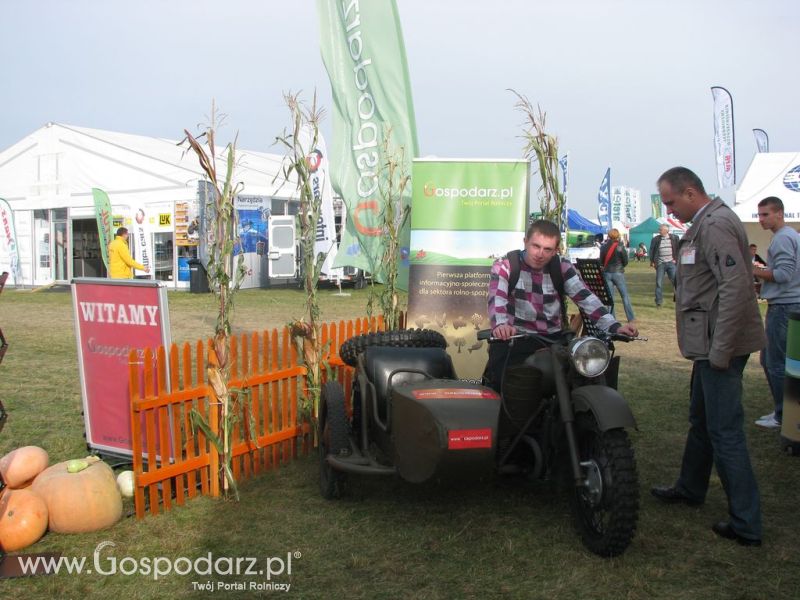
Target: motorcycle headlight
x,y
589,355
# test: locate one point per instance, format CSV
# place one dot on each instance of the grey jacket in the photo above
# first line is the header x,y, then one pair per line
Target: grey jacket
x,y
716,311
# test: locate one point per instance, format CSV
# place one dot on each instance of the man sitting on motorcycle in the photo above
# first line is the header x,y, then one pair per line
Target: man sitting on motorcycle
x,y
535,304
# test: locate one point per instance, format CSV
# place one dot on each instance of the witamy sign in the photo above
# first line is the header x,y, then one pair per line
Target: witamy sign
x,y
113,317
121,314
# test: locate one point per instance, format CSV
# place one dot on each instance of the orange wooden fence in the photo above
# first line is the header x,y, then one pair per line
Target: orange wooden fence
x,y
167,384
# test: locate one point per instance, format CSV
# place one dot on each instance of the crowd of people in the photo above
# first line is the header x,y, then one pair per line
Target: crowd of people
x,y
717,277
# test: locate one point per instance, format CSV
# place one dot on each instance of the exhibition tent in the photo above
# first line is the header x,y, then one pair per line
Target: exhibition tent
x,y
643,233
576,221
770,174
58,165
47,178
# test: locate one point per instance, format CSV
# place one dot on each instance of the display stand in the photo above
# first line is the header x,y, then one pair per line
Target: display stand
x,y
112,317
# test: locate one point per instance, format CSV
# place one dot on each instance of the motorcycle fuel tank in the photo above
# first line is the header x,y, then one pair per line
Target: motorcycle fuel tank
x,y
444,429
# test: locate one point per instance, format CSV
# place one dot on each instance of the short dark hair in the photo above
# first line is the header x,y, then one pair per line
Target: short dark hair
x,y
122,231
772,201
754,245
545,227
680,178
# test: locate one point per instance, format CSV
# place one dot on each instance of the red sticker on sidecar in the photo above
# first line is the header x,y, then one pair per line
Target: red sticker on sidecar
x,y
461,439
455,393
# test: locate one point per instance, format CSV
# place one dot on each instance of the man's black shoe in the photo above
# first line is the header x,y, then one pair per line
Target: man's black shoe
x,y
724,529
672,496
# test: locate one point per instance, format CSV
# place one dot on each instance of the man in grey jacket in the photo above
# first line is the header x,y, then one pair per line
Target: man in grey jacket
x,y
718,325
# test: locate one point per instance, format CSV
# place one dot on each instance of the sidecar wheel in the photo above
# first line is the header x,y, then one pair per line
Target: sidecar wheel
x,y
607,509
406,338
332,438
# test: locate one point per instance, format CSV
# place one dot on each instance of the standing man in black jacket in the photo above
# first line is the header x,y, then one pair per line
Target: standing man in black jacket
x,y
663,256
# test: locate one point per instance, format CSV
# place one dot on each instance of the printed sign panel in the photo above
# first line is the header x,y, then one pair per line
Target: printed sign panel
x,y
112,317
465,214
252,214
187,223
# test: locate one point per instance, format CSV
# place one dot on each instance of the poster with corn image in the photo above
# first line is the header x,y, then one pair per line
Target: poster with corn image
x,y
464,215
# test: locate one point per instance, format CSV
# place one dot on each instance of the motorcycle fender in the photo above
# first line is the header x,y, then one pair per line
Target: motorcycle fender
x,y
609,408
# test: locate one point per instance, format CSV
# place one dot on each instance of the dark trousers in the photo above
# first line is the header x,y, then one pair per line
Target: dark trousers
x,y
502,355
716,438
773,357
670,269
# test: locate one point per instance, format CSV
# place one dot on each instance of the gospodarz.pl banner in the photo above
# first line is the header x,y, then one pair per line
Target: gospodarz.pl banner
x,y
464,215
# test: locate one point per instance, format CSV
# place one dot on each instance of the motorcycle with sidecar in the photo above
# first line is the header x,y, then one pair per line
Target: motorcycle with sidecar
x,y
559,417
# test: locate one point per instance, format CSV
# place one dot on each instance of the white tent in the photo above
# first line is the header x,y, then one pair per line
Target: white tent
x,y
48,176
770,174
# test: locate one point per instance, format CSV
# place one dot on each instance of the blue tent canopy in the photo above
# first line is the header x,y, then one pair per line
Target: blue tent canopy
x,y
576,221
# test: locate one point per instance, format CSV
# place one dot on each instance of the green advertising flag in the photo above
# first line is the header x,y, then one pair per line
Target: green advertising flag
x,y
103,214
655,204
363,51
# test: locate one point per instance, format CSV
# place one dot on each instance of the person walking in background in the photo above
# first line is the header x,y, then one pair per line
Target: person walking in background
x,y
758,262
120,262
663,253
614,258
641,252
719,325
781,289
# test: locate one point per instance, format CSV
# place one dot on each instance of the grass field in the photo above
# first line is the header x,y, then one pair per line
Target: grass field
x,y
388,539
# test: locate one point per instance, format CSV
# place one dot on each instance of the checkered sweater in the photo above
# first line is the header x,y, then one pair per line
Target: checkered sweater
x,y
535,306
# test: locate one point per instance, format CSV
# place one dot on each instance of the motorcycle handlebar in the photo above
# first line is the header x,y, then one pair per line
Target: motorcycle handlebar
x,y
621,337
486,334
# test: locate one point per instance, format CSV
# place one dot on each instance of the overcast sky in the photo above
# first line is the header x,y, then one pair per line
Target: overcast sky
x,y
624,83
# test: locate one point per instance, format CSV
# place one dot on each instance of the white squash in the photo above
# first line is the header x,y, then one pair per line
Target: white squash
x,y
125,484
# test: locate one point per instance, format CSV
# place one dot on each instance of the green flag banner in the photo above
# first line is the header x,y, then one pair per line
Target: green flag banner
x,y
656,206
465,214
363,51
103,214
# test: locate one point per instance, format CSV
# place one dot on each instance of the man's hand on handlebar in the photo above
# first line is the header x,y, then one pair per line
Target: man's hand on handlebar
x,y
503,331
628,329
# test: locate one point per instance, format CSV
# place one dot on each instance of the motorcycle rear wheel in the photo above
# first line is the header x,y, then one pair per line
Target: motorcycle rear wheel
x,y
606,510
333,438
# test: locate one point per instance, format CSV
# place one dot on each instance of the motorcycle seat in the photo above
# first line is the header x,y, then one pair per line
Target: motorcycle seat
x,y
381,361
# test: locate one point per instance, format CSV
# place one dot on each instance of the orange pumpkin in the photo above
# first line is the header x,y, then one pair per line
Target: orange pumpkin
x,y
86,500
23,519
20,466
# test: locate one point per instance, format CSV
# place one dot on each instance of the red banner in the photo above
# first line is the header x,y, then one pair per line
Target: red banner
x,y
112,317
462,393
462,439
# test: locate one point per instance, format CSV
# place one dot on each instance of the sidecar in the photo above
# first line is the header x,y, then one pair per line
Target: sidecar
x,y
410,416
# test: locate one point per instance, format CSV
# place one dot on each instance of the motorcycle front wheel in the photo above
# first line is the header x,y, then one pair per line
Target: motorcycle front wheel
x,y
606,508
